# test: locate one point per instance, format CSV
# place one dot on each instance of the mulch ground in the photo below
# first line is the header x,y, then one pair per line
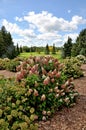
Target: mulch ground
x,y
7,74
73,118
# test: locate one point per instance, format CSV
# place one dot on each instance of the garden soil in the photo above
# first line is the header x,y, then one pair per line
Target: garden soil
x,y
73,118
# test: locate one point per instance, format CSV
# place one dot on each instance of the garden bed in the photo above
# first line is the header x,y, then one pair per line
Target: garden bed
x,y
68,118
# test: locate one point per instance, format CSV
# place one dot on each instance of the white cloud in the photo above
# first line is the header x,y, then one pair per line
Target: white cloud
x,y
46,22
58,42
32,26
22,41
15,29
48,36
78,20
18,19
43,28
71,35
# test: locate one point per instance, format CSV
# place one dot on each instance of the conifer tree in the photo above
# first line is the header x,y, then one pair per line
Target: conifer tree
x,y
53,49
47,51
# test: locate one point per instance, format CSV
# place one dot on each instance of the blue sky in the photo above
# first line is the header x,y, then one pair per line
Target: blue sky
x,y
38,22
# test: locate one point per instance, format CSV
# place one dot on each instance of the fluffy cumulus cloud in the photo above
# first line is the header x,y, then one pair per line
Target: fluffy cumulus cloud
x,y
71,35
44,28
15,29
46,22
18,19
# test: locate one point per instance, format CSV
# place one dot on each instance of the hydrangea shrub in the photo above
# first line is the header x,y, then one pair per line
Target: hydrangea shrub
x,y
48,87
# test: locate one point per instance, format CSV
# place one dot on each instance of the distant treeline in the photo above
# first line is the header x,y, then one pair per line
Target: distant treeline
x,y
47,48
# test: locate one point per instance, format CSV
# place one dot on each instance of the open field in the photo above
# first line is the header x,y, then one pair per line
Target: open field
x,y
28,54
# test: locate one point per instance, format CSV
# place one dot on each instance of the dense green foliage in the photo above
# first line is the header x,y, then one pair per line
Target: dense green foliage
x,y
72,67
80,46
77,48
7,48
67,48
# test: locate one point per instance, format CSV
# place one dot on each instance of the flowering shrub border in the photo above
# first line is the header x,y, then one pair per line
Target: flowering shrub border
x,y
39,90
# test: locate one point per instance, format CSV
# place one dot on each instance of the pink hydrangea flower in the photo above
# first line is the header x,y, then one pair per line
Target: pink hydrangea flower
x,y
46,81
58,75
43,97
35,92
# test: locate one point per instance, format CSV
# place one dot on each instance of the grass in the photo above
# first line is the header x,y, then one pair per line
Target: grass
x,y
28,54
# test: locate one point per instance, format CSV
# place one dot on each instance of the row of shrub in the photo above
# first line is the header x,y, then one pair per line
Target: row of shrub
x,y
73,63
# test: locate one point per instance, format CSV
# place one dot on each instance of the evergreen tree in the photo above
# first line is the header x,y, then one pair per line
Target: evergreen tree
x,y
74,50
67,48
47,51
21,50
17,50
53,49
2,47
80,46
6,44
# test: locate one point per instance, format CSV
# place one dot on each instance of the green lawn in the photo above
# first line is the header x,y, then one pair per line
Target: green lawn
x,y
28,54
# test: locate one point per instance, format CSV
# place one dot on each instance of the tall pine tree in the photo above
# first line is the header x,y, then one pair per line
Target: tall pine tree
x,y
67,48
47,51
7,48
